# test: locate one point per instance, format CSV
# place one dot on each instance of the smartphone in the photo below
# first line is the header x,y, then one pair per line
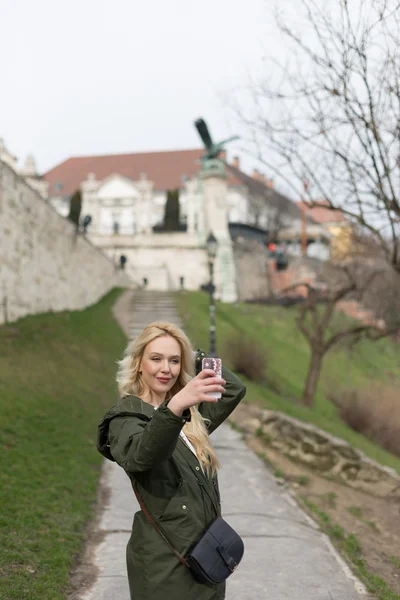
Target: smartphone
x,y
216,365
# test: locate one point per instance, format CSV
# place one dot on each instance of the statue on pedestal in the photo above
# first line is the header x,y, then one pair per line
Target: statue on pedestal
x,y
214,191
210,161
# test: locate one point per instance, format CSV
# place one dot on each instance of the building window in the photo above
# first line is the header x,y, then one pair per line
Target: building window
x,y
116,227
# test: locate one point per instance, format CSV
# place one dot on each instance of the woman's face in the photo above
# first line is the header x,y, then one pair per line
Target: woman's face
x,y
160,366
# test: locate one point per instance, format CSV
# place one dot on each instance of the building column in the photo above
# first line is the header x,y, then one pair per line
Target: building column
x,y
146,193
215,194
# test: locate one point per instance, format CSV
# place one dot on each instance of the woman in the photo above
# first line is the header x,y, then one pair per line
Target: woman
x,y
158,433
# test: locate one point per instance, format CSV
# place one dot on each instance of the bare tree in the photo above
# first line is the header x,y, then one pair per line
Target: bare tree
x,y
275,222
316,322
333,118
264,214
382,297
257,207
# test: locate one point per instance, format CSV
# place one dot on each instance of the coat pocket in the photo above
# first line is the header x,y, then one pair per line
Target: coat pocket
x,y
177,519
175,505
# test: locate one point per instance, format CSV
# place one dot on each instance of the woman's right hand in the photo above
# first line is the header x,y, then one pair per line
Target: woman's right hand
x,y
196,390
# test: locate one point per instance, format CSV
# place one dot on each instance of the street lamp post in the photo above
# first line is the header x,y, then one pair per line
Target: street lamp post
x,y
212,247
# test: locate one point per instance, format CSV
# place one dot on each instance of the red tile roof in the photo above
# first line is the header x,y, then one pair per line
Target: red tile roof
x,y
319,214
165,169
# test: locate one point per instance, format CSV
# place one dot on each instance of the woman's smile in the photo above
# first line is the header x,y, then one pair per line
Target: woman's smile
x,y
160,367
163,379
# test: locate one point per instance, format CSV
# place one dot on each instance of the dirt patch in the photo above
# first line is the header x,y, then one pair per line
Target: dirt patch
x,y
373,520
84,572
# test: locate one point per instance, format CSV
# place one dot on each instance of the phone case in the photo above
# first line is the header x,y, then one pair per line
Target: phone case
x,y
216,365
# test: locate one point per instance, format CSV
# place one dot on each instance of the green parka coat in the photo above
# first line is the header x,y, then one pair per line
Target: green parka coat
x,y
182,500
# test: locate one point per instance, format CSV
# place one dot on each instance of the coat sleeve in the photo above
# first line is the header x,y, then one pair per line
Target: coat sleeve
x,y
138,445
217,412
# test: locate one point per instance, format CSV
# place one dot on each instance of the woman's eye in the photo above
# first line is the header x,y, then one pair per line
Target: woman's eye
x,y
155,358
175,361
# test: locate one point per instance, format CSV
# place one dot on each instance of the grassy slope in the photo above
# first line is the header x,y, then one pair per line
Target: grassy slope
x,y
274,330
57,375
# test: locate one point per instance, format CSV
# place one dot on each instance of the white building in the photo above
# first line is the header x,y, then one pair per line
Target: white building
x,y
125,196
126,193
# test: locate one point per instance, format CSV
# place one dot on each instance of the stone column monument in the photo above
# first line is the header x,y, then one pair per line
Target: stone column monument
x,y
215,194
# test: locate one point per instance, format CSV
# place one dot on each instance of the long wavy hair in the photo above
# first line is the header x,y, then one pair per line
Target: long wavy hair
x,y
130,382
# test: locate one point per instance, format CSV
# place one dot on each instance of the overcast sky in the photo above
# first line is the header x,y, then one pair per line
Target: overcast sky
x,y
107,76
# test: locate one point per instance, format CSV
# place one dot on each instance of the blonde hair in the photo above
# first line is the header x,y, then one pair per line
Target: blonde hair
x,y
130,383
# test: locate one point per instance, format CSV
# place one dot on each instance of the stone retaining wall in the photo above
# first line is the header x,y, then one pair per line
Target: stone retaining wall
x,y
252,271
44,265
305,443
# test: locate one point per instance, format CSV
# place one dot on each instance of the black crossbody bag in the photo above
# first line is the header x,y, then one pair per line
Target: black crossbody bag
x,y
215,556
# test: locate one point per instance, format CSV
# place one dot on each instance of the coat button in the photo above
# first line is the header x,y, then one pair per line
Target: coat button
x,y
184,506
197,468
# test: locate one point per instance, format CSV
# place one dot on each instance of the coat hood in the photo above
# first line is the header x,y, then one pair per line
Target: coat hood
x,y
130,406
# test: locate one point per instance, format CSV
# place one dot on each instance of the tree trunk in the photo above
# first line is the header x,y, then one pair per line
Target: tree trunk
x,y
314,371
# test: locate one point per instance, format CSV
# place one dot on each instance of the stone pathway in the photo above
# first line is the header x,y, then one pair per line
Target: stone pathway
x,y
286,556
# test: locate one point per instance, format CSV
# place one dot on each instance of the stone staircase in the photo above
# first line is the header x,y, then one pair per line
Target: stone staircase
x,y
147,306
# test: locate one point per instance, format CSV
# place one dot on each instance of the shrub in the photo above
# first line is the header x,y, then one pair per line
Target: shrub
x,y
172,211
247,357
75,207
374,412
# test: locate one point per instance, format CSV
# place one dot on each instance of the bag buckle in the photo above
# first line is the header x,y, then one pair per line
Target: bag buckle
x,y
232,568
228,560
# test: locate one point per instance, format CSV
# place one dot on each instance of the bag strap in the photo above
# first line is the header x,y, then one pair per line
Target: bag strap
x,y
151,520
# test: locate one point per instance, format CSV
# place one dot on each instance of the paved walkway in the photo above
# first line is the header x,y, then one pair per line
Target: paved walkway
x,y
286,556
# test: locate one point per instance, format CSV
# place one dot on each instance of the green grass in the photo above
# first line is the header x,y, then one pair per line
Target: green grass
x,y
273,329
350,546
303,480
57,374
355,510
279,474
329,499
396,561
